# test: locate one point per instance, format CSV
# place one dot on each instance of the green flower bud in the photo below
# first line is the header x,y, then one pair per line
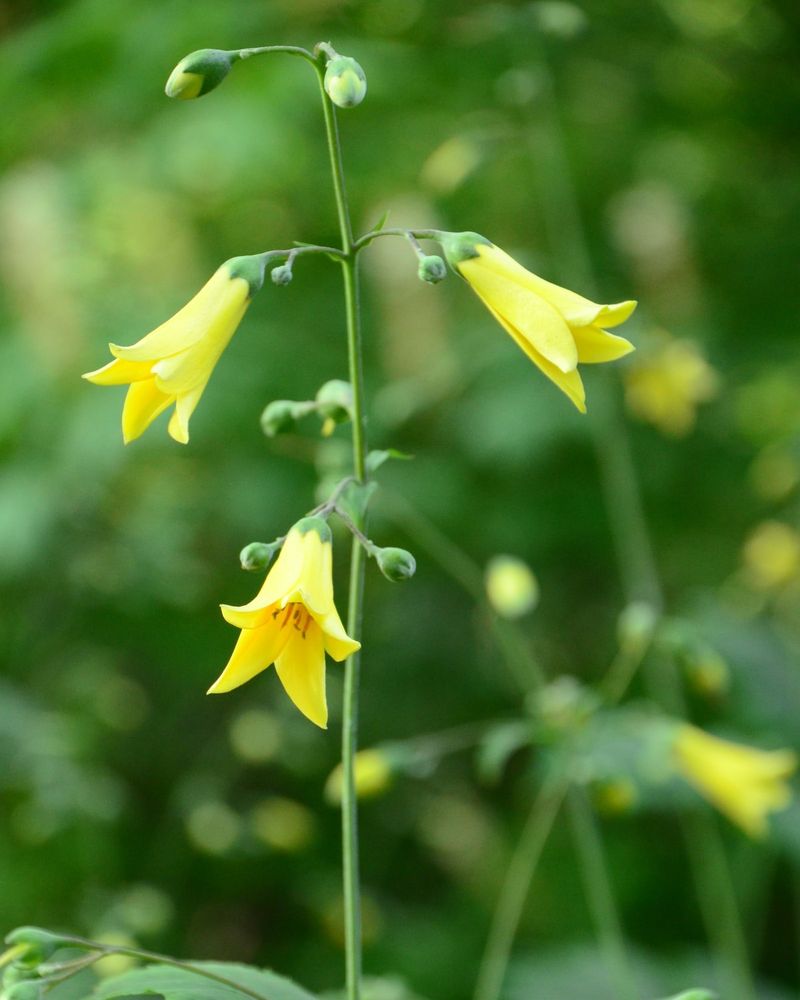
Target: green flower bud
x,y
636,626
198,73
396,564
281,415
281,275
257,555
432,269
335,400
345,82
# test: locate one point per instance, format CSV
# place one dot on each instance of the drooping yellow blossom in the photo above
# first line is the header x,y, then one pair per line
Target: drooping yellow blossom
x,y
555,327
373,776
665,387
743,783
772,556
292,622
174,362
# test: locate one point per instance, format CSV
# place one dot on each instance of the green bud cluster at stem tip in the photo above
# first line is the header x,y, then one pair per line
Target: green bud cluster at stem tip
x,y
40,944
345,82
396,564
281,275
198,73
461,246
432,269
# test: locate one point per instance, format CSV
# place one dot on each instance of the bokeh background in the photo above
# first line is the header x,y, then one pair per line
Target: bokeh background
x,y
650,147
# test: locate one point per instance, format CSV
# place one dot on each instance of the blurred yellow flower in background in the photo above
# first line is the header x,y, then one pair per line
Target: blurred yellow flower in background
x,y
555,327
292,622
744,783
174,362
772,556
511,586
373,775
665,385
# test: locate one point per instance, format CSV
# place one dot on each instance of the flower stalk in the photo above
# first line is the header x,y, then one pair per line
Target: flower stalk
x,y
349,262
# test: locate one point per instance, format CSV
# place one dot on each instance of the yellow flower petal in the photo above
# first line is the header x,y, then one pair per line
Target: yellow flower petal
x,y
118,372
316,583
301,668
184,407
143,403
221,296
576,310
338,643
596,346
744,783
255,650
282,580
532,316
569,383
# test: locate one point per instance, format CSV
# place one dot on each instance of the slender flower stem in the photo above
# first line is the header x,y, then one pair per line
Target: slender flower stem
x,y
516,886
417,234
600,893
352,896
290,50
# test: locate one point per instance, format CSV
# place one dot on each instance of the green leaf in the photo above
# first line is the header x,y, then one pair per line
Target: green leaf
x,y
182,984
375,459
382,221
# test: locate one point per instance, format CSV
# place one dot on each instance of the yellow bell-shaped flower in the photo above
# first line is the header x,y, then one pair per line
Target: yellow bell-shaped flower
x,y
292,622
743,783
174,362
555,327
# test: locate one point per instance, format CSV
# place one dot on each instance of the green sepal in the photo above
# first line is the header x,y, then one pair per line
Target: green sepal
x,y
41,944
313,523
459,247
251,268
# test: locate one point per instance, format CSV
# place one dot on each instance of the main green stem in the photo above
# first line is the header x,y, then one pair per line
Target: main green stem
x,y
352,895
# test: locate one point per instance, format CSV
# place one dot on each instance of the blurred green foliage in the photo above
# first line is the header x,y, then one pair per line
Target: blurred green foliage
x,y
134,807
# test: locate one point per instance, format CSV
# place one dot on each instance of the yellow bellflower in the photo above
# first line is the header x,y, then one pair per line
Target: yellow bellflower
x,y
174,362
556,328
666,386
744,783
292,622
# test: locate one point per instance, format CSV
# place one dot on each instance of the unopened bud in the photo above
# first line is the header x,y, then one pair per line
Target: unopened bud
x,y
281,275
396,564
345,82
198,73
511,587
707,671
335,401
281,415
432,269
636,626
257,555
